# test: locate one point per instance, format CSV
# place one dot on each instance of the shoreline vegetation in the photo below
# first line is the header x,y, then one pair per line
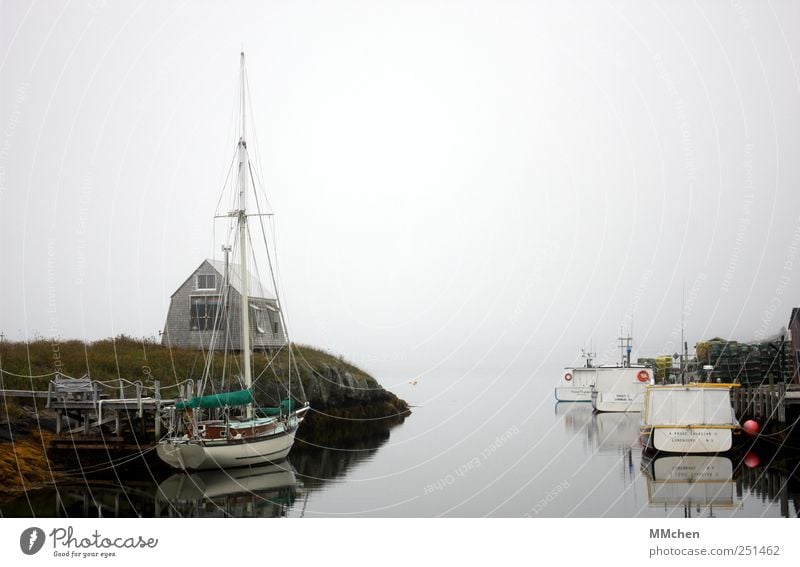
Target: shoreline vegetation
x,y
347,403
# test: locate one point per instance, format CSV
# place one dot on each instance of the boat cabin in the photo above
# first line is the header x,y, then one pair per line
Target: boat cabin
x,y
695,418
620,388
576,385
707,404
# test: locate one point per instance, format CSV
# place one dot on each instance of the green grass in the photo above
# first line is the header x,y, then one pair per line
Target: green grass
x,y
145,360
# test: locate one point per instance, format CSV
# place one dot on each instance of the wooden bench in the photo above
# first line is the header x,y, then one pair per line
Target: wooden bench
x,y
72,389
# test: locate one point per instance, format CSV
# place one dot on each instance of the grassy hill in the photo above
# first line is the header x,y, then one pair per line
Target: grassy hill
x,y
137,359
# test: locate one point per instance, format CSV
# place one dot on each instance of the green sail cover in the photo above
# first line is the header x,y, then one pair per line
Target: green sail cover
x,y
287,406
227,399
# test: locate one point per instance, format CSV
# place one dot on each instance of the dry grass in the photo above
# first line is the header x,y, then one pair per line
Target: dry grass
x,y
24,465
143,360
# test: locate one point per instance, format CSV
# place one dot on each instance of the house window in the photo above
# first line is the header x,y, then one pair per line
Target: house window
x,y
205,313
260,318
206,281
276,324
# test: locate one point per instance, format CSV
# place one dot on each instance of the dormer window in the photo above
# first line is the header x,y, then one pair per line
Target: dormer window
x,y
260,317
206,281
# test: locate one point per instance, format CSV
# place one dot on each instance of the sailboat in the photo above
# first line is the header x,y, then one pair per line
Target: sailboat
x,y
225,429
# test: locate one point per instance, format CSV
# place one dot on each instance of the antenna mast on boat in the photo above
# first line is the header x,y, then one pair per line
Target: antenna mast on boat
x,y
625,348
588,356
243,171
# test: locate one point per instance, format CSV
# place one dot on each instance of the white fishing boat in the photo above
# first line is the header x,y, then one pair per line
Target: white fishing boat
x,y
692,418
621,388
576,382
225,428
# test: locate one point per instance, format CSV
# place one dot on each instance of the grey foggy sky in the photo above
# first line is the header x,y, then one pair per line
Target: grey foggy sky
x,y
454,183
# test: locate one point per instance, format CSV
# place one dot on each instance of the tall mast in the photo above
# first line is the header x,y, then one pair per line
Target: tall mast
x,y
243,171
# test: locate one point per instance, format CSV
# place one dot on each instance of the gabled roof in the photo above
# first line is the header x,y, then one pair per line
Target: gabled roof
x,y
255,288
795,316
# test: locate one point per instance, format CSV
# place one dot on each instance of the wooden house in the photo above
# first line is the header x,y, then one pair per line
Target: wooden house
x,y
198,307
794,329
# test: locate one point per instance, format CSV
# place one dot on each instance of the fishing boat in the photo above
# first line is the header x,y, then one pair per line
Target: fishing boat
x,y
225,428
692,418
576,382
620,387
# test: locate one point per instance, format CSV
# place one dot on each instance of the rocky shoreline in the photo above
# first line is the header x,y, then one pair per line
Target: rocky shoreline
x,y
347,404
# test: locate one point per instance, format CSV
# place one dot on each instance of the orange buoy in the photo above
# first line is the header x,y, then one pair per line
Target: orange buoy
x,y
751,426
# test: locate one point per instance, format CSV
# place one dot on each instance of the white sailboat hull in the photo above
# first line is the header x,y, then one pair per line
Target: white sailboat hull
x,y
195,455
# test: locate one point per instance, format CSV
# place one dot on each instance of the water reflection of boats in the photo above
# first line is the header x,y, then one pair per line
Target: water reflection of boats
x,y
259,491
576,417
690,481
613,431
263,491
603,431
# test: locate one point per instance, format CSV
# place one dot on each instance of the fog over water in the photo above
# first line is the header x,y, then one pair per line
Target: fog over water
x,y
455,185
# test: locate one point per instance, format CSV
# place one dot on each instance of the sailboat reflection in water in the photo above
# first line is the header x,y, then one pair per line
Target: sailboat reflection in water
x,y
263,491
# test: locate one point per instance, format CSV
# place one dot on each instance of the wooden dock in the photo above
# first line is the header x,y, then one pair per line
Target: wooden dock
x,y
767,403
114,412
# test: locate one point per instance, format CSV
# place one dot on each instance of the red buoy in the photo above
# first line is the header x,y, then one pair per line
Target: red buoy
x,y
751,426
752,460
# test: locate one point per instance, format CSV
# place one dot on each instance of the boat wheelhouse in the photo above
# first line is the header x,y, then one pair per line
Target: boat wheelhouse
x,y
576,385
621,388
692,418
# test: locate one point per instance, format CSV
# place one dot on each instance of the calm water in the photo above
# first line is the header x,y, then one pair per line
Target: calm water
x,y
476,445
